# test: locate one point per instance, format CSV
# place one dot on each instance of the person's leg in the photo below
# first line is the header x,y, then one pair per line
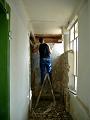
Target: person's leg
x,y
49,68
42,68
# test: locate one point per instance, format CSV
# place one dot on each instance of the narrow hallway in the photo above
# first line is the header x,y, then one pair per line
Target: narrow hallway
x,y
64,26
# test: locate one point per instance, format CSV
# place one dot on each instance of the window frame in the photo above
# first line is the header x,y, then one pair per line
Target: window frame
x,y
75,69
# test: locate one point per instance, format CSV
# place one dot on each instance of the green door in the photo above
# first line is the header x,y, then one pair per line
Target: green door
x,y
4,65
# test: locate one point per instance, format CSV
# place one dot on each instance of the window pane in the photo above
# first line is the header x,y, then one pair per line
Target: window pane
x,y
76,29
71,70
72,34
75,57
71,83
77,54
75,83
72,45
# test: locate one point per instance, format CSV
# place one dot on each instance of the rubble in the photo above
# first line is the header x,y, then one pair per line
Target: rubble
x,y
47,111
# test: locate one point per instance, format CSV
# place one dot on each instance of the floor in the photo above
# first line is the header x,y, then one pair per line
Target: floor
x,y
46,110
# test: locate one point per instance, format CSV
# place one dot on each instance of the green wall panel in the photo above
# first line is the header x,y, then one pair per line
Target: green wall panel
x,y
4,66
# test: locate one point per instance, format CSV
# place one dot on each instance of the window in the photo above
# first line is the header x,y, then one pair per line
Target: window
x,y
73,45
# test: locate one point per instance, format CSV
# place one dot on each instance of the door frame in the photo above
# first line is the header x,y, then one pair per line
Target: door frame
x,y
6,9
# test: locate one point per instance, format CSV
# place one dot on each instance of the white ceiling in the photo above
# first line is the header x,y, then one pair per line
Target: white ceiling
x,y
47,16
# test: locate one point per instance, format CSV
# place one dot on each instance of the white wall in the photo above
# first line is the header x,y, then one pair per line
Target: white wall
x,y
66,41
78,111
19,61
84,56
80,105
57,50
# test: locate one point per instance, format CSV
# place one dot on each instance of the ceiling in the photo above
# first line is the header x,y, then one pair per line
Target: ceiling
x,y
48,16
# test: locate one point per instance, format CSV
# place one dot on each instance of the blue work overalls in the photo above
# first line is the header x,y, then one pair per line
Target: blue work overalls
x,y
45,67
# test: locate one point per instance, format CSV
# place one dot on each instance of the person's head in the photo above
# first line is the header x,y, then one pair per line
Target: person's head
x,y
41,40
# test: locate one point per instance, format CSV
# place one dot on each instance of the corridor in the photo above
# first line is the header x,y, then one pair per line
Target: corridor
x,y
64,25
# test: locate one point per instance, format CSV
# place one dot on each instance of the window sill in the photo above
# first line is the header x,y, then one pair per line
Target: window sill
x,y
73,92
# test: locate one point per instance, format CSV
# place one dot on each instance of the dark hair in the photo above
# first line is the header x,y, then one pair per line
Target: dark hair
x,y
41,40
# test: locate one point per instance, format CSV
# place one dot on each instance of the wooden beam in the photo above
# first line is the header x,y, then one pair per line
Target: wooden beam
x,y
50,38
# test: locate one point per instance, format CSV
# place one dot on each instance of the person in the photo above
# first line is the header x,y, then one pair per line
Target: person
x,y
45,60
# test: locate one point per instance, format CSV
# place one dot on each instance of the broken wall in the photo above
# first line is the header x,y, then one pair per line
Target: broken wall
x,y
61,79
60,69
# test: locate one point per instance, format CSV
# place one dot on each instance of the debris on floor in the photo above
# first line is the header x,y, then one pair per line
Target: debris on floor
x,y
47,111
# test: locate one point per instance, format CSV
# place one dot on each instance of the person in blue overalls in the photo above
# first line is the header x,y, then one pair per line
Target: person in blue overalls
x,y
45,59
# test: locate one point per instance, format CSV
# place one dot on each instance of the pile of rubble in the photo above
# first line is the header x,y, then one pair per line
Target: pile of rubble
x,y
48,111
